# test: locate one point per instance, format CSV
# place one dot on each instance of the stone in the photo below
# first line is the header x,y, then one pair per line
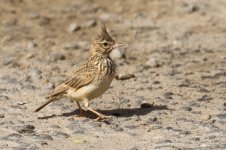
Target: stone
x,y
131,127
22,129
222,116
35,73
31,45
151,120
62,134
33,15
43,21
43,137
73,27
204,98
4,98
74,125
90,23
29,87
195,139
134,148
2,115
153,63
105,17
118,53
79,131
186,108
168,95
13,137
57,56
55,126
116,127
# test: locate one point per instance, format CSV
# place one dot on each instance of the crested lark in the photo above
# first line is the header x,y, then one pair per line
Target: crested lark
x,y
91,79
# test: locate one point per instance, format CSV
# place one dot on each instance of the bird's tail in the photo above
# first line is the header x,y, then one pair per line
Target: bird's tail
x,y
59,90
49,100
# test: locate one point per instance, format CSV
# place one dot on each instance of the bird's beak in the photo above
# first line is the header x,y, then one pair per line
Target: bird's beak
x,y
117,45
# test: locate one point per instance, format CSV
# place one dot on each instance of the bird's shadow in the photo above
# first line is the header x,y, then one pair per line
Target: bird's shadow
x,y
115,112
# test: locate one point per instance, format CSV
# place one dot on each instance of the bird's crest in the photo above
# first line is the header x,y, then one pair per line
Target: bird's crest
x,y
103,35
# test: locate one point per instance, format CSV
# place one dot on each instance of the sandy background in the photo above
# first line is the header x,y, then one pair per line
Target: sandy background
x,y
177,52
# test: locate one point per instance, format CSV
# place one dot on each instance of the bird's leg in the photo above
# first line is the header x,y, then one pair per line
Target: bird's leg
x,y
81,111
100,116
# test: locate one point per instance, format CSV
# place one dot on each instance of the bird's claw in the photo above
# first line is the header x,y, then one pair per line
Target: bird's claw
x,y
102,117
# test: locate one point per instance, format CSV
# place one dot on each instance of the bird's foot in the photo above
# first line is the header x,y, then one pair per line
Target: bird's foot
x,y
102,117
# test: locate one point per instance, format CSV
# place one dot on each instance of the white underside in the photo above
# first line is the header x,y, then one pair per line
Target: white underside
x,y
90,91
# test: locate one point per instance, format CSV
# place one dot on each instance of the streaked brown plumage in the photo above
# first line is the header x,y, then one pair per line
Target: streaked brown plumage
x,y
91,79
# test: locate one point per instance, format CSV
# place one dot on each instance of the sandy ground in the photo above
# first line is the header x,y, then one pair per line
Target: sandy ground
x,y
177,52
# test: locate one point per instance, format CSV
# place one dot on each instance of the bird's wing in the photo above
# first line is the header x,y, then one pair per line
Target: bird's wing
x,y
81,77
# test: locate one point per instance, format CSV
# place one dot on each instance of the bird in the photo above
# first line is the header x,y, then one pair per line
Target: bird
x,y
91,79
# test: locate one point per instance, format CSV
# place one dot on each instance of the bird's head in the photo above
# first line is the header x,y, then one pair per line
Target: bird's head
x,y
103,43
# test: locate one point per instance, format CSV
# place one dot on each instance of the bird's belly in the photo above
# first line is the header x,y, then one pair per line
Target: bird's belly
x,y
90,91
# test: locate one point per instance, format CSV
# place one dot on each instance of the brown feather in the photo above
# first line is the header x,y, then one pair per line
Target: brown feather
x,y
59,90
81,77
44,104
103,35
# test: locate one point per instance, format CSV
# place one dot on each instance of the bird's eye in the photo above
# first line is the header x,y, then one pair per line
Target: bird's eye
x,y
105,44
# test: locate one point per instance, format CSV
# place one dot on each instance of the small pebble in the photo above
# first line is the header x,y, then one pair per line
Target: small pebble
x,y
194,104
79,131
35,74
2,115
131,127
55,126
211,137
116,127
195,139
134,148
33,15
4,98
156,82
29,87
224,104
222,116
206,117
49,86
74,125
31,45
25,129
57,56
164,141
186,108
154,128
62,135
205,98
90,23
13,136
168,95
151,120
118,53
124,77
105,17
10,22
43,137
44,21
153,63
73,27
